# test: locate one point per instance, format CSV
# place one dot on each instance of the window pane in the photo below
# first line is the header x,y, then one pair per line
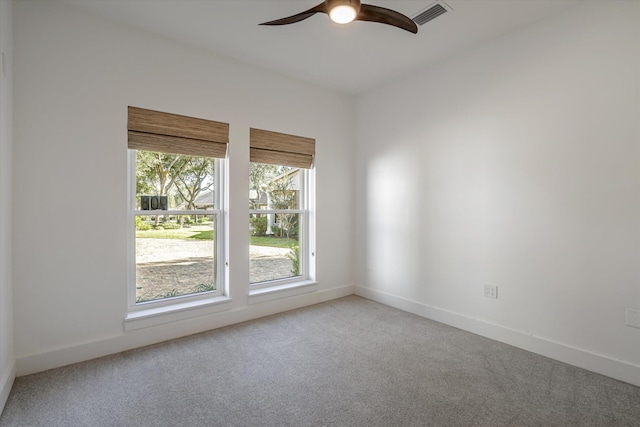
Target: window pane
x,y
173,181
274,186
175,255
274,247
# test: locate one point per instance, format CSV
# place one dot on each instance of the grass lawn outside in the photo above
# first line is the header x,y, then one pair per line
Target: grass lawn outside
x,y
200,232
205,232
274,242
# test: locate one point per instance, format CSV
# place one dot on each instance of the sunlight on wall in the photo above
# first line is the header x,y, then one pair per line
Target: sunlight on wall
x,y
393,204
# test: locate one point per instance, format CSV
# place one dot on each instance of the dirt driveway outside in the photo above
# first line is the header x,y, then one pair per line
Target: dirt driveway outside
x,y
163,265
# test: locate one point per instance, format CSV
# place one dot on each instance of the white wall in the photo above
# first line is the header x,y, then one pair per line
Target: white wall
x,y
516,164
75,77
7,362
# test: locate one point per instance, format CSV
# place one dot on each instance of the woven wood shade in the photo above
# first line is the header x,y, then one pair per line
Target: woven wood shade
x,y
171,133
281,149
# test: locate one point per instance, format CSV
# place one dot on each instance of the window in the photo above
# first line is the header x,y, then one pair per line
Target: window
x,y
176,187
280,209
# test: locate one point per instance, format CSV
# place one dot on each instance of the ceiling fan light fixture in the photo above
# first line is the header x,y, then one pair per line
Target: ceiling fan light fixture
x,y
342,11
343,14
345,11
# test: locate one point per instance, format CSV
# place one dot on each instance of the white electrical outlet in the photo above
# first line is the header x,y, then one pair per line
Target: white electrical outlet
x,y
491,291
632,317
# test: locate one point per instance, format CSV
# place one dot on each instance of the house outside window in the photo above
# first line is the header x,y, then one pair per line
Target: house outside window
x,y
177,216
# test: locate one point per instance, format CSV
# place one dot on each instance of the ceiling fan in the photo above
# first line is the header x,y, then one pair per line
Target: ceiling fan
x,y
345,11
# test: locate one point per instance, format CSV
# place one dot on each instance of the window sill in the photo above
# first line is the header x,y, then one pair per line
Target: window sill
x,y
271,293
175,312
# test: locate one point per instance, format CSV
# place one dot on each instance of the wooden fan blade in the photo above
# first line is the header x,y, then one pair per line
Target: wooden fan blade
x,y
386,16
299,17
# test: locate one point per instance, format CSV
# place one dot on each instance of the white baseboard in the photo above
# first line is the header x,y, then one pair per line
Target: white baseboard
x,y
6,383
618,369
152,335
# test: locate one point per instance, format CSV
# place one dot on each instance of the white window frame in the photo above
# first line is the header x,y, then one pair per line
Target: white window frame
x,y
179,303
306,238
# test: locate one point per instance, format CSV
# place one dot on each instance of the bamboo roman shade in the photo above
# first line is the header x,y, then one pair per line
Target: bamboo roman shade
x,y
171,133
281,149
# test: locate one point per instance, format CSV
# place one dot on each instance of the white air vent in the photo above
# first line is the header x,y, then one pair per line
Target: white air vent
x,y
430,13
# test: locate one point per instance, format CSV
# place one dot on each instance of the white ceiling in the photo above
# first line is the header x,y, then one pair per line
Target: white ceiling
x,y
350,58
